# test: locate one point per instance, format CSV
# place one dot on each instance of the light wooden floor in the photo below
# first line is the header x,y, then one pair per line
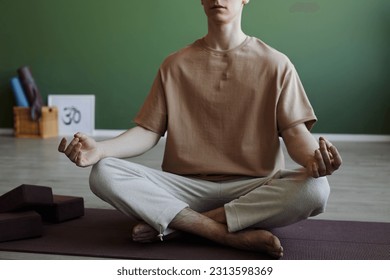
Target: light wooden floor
x,y
360,190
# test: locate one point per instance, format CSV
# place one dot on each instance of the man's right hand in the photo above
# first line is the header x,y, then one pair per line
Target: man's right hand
x,y
82,150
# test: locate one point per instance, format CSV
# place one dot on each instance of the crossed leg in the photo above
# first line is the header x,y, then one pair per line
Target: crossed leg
x,y
287,197
212,225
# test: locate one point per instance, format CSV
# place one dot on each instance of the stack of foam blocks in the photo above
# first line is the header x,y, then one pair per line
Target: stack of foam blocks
x,y
25,209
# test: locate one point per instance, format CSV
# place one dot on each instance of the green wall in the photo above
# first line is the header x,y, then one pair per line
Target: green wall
x,y
113,48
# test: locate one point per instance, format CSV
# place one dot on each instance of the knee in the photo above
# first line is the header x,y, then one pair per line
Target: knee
x,y
100,174
315,193
109,172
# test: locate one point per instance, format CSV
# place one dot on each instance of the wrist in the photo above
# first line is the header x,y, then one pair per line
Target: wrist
x,y
101,151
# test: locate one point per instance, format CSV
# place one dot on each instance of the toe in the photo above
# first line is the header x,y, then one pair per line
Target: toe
x,y
274,247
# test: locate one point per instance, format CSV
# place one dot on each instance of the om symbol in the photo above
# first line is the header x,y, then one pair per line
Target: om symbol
x,y
71,115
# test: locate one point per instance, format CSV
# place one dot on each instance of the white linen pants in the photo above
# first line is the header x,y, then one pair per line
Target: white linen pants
x,y
156,197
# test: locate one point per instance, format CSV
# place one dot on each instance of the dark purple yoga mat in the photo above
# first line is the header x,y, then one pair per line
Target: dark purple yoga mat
x,y
105,233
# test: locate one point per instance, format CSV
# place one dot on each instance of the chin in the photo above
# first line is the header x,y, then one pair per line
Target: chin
x,y
220,19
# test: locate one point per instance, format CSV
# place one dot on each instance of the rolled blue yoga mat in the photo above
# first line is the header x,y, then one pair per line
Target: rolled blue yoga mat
x,y
20,96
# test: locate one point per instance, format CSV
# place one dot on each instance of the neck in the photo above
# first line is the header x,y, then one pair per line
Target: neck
x,y
224,36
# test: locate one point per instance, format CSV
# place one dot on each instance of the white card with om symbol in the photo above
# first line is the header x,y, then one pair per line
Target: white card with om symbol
x,y
76,113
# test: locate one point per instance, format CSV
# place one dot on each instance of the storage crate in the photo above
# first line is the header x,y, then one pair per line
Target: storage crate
x,y
45,127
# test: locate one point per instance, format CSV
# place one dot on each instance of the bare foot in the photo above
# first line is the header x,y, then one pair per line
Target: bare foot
x,y
144,233
256,240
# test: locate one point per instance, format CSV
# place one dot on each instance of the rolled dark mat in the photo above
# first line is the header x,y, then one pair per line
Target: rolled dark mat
x,y
20,225
62,209
32,92
25,197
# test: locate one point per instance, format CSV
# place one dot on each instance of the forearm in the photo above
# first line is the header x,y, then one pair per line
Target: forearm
x,y
300,144
131,143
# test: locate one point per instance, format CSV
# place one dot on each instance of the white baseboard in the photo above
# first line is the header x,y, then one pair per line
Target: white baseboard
x,y
353,137
107,133
97,133
331,137
6,131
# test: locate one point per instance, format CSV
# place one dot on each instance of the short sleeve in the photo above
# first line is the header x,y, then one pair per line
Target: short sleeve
x,y
293,106
153,113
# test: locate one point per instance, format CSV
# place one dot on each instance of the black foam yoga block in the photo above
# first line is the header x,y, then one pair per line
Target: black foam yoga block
x,y
25,197
20,225
62,209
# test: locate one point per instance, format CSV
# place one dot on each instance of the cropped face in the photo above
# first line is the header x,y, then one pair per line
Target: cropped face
x,y
223,11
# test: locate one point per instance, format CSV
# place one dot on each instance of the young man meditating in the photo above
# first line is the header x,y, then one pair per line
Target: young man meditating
x,y
223,103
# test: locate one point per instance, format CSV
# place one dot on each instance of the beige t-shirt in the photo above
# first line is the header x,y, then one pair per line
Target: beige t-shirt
x,y
223,111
